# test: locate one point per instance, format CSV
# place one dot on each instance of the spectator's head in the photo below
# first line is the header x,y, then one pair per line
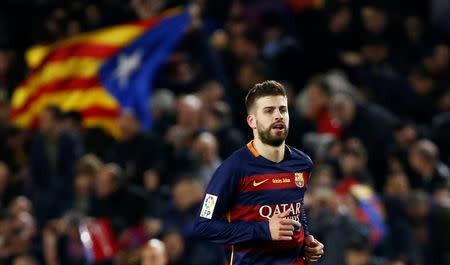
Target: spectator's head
x,y
162,103
414,28
50,119
73,28
154,253
421,81
343,108
405,134
73,121
175,246
375,50
339,18
86,172
438,63
93,16
272,30
189,112
423,157
444,101
182,69
323,176
418,206
323,201
24,228
374,19
267,111
4,176
237,25
24,260
357,252
146,9
211,93
219,115
151,180
441,195
187,193
109,180
244,46
353,160
318,92
205,148
250,73
220,40
129,124
5,62
20,204
397,185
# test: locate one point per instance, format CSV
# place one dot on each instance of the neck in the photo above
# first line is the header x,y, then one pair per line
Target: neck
x,y
273,153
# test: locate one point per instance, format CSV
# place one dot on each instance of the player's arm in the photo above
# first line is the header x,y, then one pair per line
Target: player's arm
x,y
211,223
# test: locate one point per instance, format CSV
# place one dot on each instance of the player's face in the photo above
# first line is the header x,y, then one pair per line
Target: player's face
x,y
272,119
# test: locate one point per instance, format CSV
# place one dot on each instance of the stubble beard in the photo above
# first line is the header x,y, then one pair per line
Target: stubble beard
x,y
273,140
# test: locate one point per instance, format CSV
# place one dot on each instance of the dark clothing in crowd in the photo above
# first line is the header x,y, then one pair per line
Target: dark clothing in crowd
x,y
124,207
52,159
373,126
139,154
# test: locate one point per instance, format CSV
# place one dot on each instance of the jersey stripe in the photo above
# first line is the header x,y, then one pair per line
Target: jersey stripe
x,y
271,181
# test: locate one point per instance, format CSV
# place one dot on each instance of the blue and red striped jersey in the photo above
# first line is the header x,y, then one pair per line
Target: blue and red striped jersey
x,y
243,194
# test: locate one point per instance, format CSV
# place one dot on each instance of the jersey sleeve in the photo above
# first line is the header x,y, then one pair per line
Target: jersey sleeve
x,y
211,222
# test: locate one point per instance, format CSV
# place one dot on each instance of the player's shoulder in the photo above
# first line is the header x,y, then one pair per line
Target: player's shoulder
x,y
297,154
236,160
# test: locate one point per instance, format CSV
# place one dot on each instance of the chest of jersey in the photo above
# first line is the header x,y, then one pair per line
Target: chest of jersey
x,y
261,196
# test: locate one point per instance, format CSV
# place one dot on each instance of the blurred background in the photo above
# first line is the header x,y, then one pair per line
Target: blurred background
x,y
369,95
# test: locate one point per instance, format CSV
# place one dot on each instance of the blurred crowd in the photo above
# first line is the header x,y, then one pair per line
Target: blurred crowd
x,y
369,95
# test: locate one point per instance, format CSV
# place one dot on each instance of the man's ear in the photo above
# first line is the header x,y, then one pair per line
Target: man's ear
x,y
251,121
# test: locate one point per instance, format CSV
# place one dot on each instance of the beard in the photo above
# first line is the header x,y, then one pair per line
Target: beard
x,y
272,139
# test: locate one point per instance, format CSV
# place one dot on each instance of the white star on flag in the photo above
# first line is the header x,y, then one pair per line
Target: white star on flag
x,y
127,65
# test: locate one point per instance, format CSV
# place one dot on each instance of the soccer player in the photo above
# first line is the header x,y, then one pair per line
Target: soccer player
x,y
254,201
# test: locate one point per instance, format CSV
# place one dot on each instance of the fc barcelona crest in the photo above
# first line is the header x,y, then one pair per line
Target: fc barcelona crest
x,y
299,180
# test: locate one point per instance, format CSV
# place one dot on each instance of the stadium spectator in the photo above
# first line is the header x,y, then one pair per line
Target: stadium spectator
x,y
52,154
180,136
218,121
206,156
314,103
425,169
136,151
154,253
162,104
112,189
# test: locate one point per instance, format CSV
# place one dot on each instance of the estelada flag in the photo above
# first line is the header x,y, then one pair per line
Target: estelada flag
x,y
99,72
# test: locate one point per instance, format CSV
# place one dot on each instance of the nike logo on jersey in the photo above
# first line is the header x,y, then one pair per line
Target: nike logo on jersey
x,y
256,184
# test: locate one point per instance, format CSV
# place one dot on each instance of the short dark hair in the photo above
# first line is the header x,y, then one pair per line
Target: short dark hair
x,y
73,115
266,88
55,111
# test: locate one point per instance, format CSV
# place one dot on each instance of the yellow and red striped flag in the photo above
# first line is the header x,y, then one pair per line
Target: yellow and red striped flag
x,y
66,74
